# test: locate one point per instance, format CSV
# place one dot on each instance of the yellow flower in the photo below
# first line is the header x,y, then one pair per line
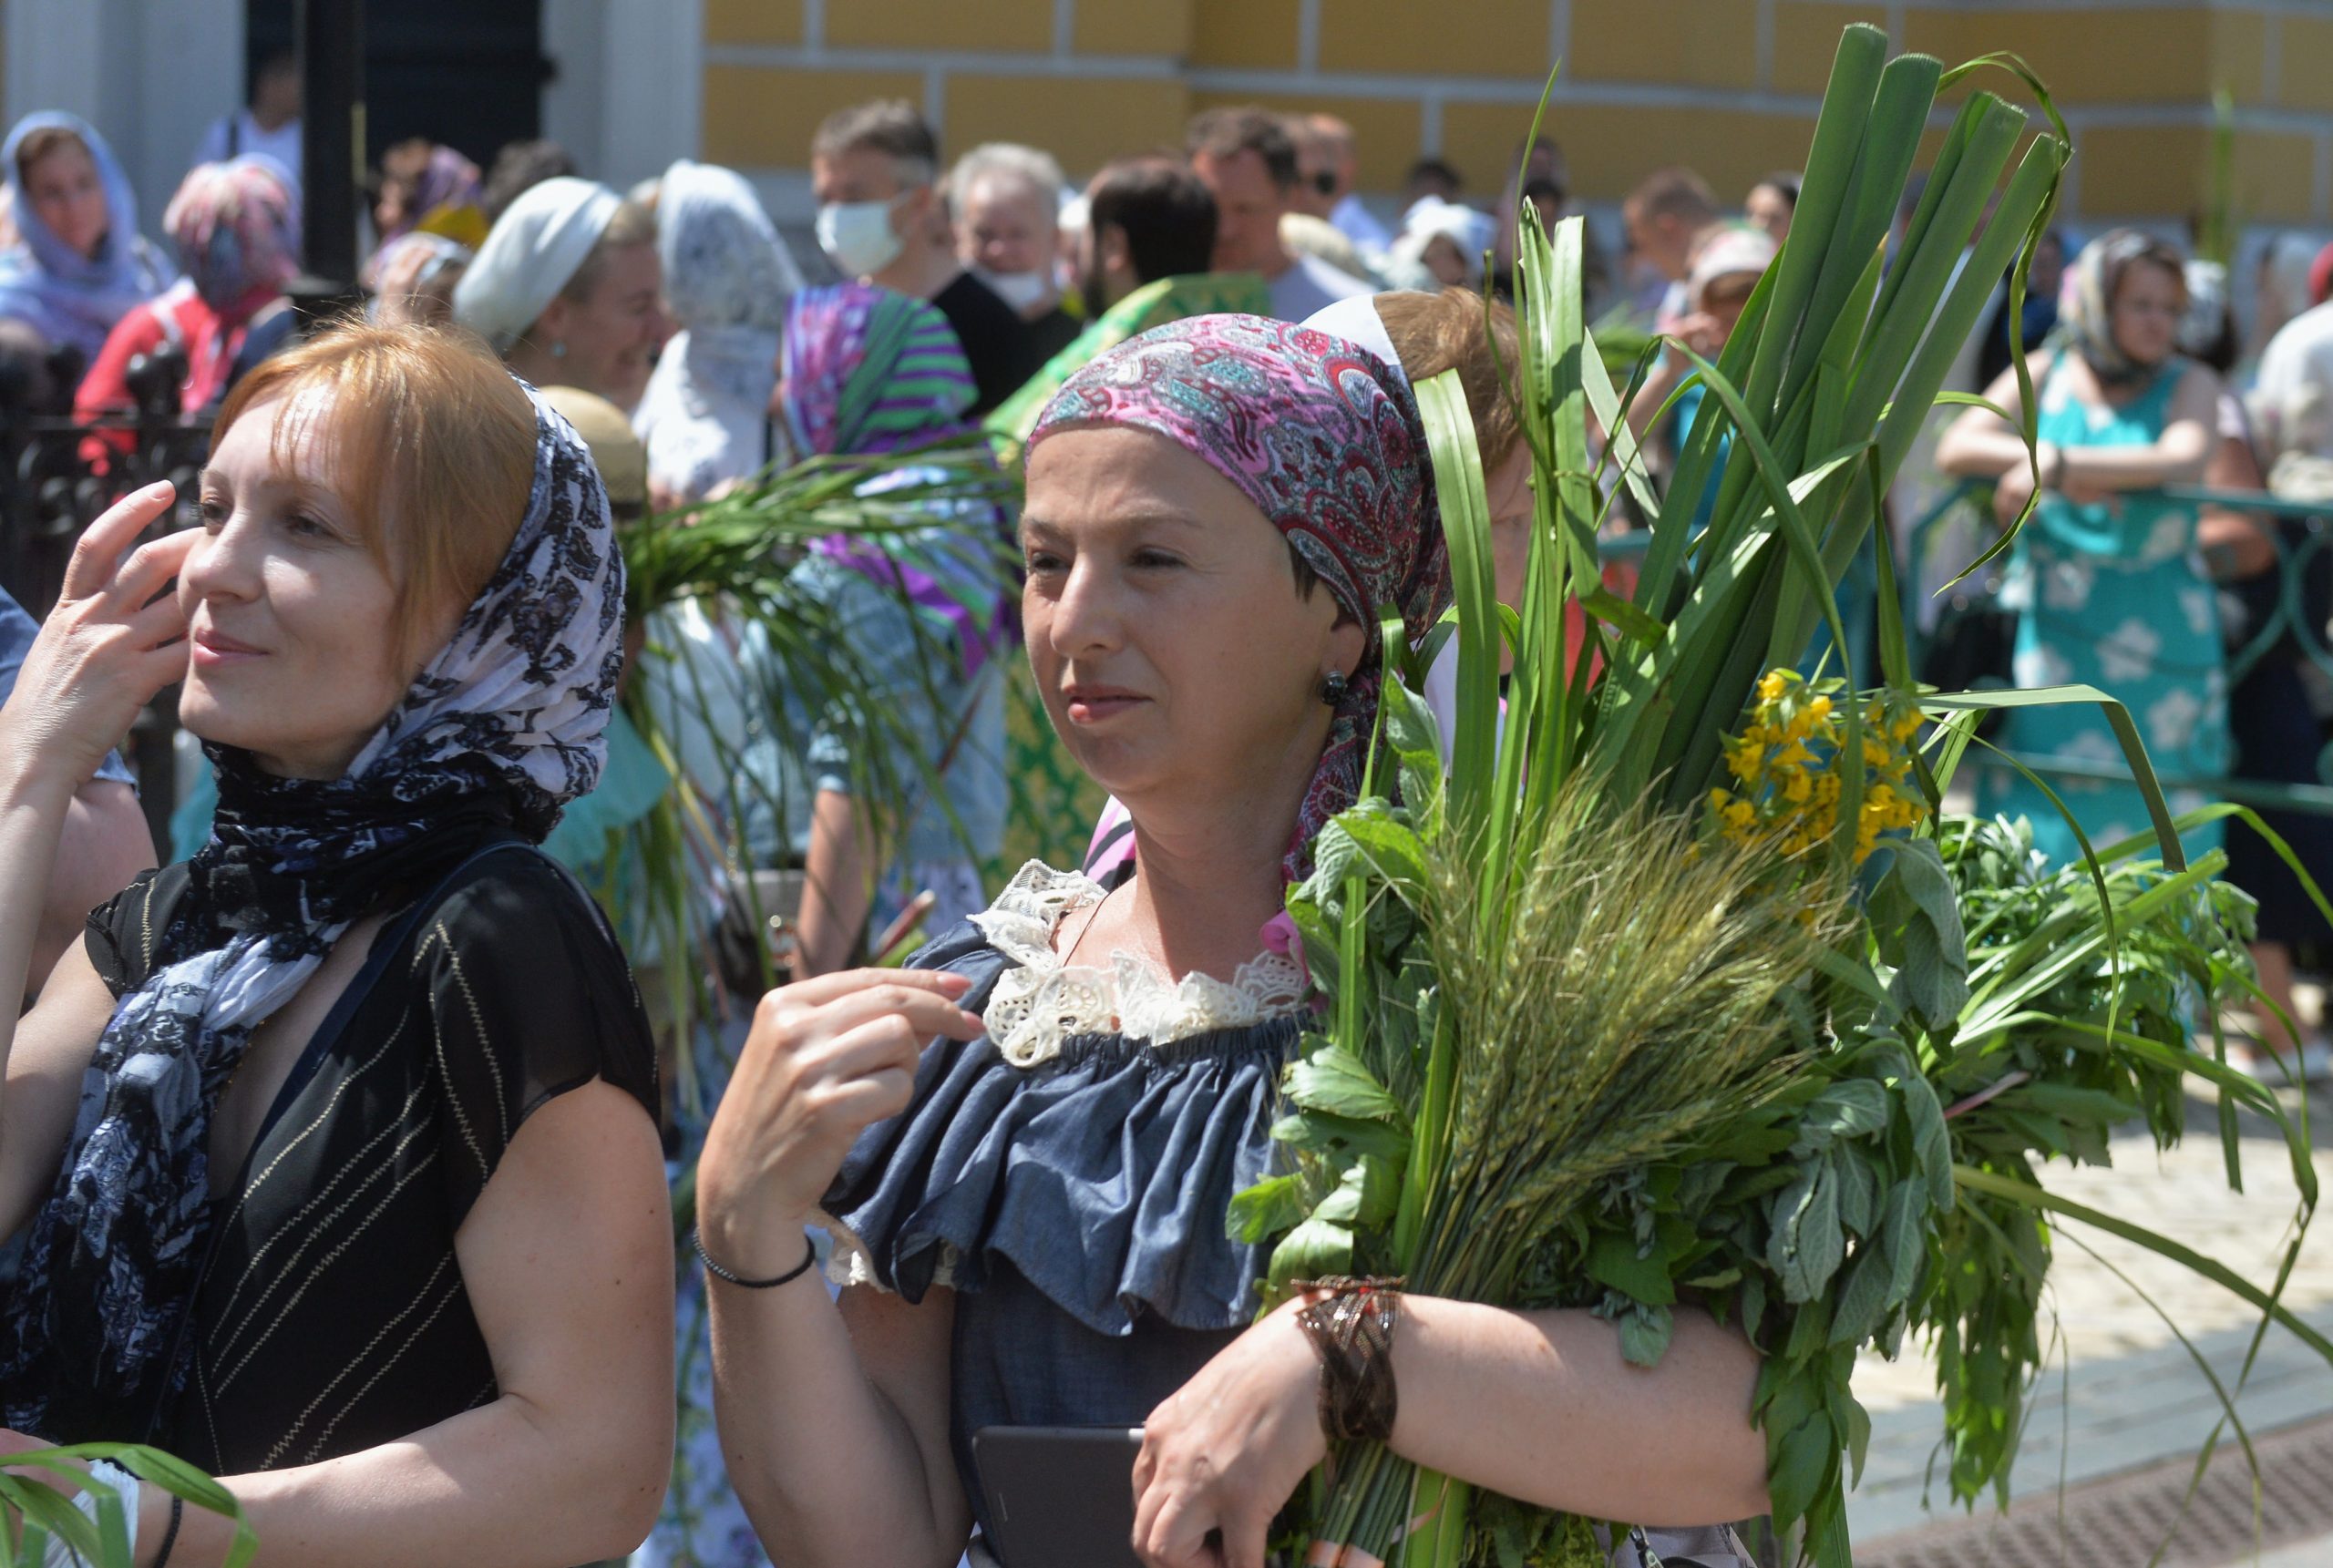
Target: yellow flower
x,y
1772,688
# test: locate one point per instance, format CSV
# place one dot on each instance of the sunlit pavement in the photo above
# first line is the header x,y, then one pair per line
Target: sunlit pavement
x,y
2121,1393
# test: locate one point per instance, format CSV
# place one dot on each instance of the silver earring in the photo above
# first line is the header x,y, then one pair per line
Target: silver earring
x,y
558,349
1333,687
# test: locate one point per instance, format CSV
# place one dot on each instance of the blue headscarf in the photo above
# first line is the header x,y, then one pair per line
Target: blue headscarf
x,y
67,297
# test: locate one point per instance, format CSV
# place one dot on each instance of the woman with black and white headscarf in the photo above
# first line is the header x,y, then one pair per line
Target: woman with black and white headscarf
x,y
337,1139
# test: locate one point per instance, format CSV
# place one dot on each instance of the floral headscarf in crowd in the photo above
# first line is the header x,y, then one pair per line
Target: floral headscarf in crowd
x,y
70,298
501,728
868,371
727,281
236,226
2086,301
441,196
1326,441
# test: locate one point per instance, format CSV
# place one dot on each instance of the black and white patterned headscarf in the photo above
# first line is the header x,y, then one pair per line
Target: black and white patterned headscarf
x,y
499,731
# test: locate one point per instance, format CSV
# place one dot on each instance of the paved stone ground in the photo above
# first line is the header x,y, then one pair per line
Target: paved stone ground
x,y
2123,1394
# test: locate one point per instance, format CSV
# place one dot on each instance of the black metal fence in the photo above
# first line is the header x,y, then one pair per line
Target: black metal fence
x,y
58,474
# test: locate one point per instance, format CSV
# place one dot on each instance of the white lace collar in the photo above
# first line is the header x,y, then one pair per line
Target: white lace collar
x,y
1041,1001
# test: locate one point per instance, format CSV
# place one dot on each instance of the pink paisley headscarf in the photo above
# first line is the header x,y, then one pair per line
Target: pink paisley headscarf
x,y
1327,443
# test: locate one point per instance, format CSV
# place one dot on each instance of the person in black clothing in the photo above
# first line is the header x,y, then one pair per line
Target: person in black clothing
x,y
875,169
338,1140
1006,202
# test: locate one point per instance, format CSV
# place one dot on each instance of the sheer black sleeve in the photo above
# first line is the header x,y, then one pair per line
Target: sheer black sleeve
x,y
125,929
527,995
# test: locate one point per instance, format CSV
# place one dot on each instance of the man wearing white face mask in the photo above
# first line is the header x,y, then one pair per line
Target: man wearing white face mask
x,y
1006,200
874,168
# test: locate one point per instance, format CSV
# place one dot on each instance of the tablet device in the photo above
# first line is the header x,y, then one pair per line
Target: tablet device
x,y
1059,1497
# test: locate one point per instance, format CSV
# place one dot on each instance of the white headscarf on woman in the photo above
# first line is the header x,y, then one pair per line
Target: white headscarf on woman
x,y
727,278
532,253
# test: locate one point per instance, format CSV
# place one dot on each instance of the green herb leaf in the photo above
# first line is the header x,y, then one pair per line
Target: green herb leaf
x,y
1332,1079
1916,916
1265,1209
1613,1260
1801,1465
1807,1245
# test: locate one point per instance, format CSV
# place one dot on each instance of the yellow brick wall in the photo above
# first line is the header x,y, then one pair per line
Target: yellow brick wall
x,y
1727,85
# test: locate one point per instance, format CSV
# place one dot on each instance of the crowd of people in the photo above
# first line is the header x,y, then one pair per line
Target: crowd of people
x,y
345,1142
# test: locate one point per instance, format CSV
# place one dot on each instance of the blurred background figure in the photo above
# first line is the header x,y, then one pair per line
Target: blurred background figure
x,y
1430,177
77,264
2279,295
1006,202
1146,219
268,125
1446,241
518,167
2039,317
1664,215
1771,203
428,186
566,288
412,279
236,228
2104,575
875,169
706,416
1314,194
1248,162
1340,153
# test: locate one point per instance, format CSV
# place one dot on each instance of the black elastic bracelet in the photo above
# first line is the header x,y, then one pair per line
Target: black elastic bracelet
x,y
170,1536
809,1257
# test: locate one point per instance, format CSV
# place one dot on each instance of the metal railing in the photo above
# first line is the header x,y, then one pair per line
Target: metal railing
x,y
58,475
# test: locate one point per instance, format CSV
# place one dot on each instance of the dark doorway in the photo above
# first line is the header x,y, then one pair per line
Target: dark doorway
x,y
470,75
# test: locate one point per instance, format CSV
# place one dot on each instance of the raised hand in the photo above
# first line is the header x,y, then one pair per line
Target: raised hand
x,y
116,638
826,1059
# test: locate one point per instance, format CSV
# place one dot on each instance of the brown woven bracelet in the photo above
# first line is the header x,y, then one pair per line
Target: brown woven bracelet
x,y
1350,1324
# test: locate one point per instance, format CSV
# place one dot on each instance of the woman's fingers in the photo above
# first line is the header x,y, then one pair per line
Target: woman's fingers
x,y
875,1097
1242,1538
1176,1534
892,1043
161,622
150,567
830,988
927,1012
98,555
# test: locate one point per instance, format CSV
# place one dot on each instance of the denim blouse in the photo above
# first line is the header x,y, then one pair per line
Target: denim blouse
x,y
1076,1206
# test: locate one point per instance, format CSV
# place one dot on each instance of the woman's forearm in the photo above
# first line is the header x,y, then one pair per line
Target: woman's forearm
x,y
1979,446
1540,1406
103,843
1659,382
822,1459
34,800
2178,458
510,1484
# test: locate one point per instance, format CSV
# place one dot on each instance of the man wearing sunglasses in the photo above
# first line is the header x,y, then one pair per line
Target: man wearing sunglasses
x,y
1247,161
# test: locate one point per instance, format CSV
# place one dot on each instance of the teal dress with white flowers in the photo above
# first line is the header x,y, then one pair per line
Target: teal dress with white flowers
x,y
2113,596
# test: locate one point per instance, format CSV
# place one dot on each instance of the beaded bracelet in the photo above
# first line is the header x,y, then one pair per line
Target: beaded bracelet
x,y
170,1536
809,1257
1350,1327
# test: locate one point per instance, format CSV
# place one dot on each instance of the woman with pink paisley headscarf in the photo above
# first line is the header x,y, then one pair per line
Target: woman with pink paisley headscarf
x,y
1024,1145
236,228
